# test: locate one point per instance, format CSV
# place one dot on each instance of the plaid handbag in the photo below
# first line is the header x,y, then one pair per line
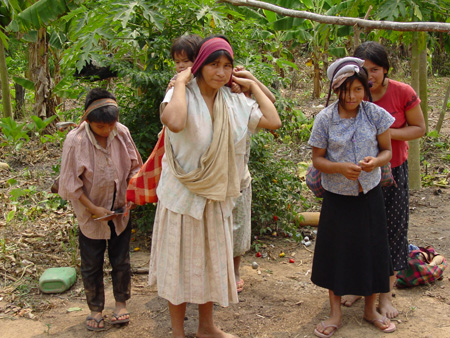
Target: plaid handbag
x,y
387,179
314,180
142,186
424,267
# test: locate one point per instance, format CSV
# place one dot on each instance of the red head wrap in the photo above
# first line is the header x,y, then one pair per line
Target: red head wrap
x,y
209,47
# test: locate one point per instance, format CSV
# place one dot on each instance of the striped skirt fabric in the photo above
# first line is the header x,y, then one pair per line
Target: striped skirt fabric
x,y
191,261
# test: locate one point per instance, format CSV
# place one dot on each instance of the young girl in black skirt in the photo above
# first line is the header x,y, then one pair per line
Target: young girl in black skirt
x,y
350,142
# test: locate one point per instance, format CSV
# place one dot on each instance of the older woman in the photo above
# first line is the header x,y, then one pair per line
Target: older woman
x,y
192,251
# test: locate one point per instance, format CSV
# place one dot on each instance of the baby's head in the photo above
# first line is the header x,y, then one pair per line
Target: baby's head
x,y
101,111
183,51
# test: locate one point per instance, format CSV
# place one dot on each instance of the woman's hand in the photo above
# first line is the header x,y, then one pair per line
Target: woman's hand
x,y
368,163
174,114
351,171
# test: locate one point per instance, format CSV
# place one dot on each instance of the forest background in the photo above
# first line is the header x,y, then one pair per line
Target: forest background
x,y
53,51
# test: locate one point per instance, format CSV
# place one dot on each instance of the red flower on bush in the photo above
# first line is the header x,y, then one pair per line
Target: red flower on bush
x,y
275,218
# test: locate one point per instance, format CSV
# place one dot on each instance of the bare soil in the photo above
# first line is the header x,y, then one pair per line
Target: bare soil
x,y
278,301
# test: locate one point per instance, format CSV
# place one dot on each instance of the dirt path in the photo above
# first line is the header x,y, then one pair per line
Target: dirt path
x,y
278,301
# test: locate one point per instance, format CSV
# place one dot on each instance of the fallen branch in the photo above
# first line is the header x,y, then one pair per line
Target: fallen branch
x,y
346,21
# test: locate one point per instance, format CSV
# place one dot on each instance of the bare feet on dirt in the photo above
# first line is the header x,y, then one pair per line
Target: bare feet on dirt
x,y
349,300
385,306
213,333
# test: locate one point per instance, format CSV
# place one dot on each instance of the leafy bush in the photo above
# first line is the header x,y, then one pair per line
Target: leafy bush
x,y
276,189
14,134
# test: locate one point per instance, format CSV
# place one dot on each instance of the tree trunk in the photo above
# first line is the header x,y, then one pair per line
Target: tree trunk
x,y
444,109
316,75
414,145
40,74
20,101
423,76
4,80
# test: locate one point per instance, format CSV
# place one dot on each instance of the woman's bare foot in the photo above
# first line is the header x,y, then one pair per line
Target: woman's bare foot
x,y
214,332
385,306
349,300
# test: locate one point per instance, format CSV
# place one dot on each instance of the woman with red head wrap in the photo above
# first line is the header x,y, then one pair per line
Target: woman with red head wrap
x,y
206,127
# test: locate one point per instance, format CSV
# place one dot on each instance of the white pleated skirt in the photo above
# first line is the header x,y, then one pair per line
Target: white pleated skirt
x,y
191,261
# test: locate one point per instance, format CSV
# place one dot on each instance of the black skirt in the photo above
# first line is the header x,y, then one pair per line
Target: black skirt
x,y
351,255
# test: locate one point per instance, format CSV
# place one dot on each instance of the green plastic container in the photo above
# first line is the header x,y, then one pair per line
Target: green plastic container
x,y
57,280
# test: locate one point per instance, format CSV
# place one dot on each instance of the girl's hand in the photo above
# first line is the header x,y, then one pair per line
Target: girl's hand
x,y
235,88
170,85
350,170
244,83
184,76
101,212
240,72
367,164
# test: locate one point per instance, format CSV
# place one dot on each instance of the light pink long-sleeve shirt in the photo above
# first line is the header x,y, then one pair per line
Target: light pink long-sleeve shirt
x,y
88,168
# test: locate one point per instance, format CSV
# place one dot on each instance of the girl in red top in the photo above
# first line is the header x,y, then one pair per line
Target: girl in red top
x,y
402,102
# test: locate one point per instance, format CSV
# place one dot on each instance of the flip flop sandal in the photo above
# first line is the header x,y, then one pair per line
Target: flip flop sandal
x,y
98,321
382,321
324,335
120,321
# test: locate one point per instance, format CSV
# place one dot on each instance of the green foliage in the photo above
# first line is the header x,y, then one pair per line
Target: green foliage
x,y
39,125
143,217
14,134
40,13
27,84
29,203
276,189
296,126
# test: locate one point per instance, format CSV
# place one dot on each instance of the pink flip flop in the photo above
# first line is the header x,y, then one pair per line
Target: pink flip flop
x,y
324,327
382,321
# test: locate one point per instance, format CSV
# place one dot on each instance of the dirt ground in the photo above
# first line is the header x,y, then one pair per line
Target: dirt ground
x,y
278,300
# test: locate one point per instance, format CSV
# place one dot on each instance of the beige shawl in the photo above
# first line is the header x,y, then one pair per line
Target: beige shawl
x,y
216,178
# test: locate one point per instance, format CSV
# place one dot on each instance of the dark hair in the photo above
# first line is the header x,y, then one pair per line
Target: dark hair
x,y
214,56
187,44
370,50
363,77
106,114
